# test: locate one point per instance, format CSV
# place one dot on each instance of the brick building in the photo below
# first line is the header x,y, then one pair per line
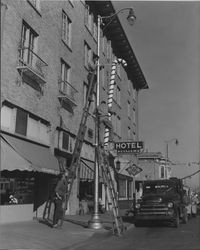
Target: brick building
x,y
47,48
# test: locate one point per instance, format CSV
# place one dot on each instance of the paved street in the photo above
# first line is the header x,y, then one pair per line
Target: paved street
x,y
157,237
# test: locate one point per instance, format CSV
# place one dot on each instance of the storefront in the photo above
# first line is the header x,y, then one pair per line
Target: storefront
x,y
28,173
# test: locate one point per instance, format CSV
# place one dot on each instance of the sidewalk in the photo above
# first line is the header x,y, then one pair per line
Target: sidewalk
x,y
36,235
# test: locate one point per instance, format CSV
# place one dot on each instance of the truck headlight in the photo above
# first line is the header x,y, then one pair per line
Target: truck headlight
x,y
137,205
170,204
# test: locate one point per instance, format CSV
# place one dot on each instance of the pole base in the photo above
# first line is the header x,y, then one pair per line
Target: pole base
x,y
95,222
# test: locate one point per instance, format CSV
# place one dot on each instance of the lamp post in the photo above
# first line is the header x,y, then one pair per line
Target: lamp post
x,y
167,149
95,222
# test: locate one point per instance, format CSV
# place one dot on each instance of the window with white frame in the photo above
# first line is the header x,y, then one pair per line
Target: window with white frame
x,y
87,55
19,121
28,45
65,78
65,141
66,28
89,19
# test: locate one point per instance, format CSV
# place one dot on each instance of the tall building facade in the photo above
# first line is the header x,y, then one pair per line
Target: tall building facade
x,y
47,50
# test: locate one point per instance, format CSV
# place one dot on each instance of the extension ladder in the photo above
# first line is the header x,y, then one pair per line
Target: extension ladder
x,y
118,226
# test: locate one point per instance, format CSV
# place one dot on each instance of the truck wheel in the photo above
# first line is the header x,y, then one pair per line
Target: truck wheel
x,y
176,221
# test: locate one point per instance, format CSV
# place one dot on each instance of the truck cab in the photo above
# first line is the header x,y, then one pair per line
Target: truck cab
x,y
161,200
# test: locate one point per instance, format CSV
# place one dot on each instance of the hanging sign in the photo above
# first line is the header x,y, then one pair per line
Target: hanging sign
x,y
129,147
133,170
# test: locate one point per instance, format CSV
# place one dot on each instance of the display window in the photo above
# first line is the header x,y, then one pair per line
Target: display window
x,y
17,187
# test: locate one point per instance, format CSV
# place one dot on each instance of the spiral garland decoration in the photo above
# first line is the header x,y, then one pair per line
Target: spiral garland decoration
x,y
111,92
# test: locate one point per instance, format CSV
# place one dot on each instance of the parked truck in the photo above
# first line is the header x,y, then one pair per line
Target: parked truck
x,y
161,200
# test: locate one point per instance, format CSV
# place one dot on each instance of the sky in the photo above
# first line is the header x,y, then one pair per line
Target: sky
x,y
166,41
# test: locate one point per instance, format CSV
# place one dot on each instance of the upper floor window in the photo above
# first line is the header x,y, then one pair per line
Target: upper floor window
x,y
16,120
65,71
89,19
118,96
64,141
66,29
87,55
28,45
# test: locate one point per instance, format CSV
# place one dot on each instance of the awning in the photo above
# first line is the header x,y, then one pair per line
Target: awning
x,y
11,160
39,157
87,170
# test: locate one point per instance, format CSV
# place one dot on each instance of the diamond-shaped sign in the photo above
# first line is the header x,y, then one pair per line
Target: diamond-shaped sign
x,y
133,170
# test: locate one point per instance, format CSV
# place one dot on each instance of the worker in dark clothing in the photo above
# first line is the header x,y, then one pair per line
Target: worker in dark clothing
x,y
60,192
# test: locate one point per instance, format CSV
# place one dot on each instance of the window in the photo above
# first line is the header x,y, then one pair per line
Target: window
x,y
129,86
21,122
87,55
109,51
65,141
118,100
129,133
65,78
129,109
118,126
85,91
103,77
162,172
28,44
7,116
119,70
66,28
89,19
122,188
35,3
16,184
130,188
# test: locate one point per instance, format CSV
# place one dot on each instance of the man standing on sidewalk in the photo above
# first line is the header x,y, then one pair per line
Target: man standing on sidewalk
x,y
60,192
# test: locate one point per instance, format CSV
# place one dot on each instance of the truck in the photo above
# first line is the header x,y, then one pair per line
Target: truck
x,y
162,200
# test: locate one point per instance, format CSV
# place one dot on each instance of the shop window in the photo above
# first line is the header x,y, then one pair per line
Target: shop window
x,y
122,188
16,189
130,188
24,123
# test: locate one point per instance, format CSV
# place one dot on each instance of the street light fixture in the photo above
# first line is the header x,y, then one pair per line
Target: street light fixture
x,y
95,222
167,149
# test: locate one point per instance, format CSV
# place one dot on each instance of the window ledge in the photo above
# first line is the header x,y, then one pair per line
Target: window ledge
x,y
69,48
37,10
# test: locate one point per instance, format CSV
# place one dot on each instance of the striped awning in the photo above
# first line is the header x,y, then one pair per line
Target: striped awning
x,y
87,171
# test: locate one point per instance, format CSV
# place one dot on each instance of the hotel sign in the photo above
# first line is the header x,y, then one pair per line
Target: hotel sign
x,y
129,147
